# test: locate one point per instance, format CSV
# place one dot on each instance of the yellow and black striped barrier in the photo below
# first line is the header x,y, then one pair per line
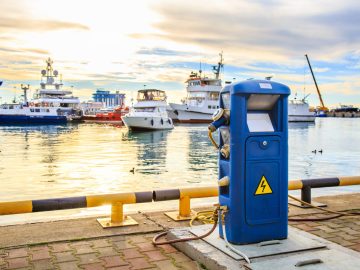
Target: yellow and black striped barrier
x,y
184,195
307,184
115,200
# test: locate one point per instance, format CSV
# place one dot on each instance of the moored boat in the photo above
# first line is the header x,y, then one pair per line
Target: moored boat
x,y
149,113
51,104
202,98
112,117
298,111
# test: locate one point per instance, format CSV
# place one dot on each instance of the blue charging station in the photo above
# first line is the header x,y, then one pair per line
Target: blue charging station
x,y
253,161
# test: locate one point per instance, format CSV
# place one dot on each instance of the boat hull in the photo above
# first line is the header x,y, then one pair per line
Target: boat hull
x,y
184,115
147,123
31,120
301,118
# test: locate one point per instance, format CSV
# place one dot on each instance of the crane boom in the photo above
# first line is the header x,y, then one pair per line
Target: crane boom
x,y
317,88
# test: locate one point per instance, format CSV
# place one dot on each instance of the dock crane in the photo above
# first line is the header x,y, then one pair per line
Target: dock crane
x,y
322,108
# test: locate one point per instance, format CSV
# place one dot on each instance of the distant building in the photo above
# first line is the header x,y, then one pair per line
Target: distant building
x,y
109,99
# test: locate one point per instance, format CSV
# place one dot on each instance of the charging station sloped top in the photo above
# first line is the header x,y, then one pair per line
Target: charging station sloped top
x,y
258,87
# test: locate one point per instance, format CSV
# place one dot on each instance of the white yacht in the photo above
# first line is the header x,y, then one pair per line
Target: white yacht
x,y
298,111
202,98
51,104
149,113
51,94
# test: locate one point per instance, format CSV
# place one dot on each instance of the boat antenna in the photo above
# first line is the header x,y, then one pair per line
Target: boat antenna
x,y
200,70
25,88
217,69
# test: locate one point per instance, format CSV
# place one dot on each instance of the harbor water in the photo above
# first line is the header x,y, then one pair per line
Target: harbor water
x,y
39,162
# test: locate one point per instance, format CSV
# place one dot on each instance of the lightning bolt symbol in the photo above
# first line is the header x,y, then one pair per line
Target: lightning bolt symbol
x,y
263,185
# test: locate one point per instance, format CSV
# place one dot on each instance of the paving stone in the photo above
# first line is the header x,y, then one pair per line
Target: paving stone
x,y
113,261
140,263
168,248
155,255
138,239
123,244
131,253
40,254
355,247
326,229
349,231
83,249
17,263
65,256
148,246
41,247
68,266
88,258
348,237
93,266
125,267
17,253
179,257
166,265
99,243
334,225
43,264
322,234
107,251
60,247
340,241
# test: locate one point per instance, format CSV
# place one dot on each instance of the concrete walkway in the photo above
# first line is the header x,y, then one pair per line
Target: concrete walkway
x,y
83,244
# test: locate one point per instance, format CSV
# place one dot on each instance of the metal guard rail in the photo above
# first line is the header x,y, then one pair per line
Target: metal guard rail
x,y
182,194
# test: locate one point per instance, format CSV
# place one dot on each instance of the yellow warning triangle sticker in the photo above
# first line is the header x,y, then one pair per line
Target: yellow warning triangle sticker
x,y
263,187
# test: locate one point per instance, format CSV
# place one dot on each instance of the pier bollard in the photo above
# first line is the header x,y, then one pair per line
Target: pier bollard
x,y
184,196
117,201
117,218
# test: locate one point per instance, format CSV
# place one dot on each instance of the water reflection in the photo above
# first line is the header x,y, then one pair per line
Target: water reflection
x,y
202,154
74,160
151,150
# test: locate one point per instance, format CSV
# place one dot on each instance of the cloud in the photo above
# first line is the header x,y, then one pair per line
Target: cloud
x,y
277,28
162,52
37,25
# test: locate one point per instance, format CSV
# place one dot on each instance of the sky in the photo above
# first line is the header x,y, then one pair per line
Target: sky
x,y
131,44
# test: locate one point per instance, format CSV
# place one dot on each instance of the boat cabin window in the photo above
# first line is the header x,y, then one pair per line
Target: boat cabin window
x,y
193,83
155,95
37,110
197,96
214,95
145,109
31,110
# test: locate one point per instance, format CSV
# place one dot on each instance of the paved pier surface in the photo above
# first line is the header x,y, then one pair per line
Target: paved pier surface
x,y
83,244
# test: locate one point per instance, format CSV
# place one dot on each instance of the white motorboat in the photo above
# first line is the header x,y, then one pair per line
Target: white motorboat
x,y
149,113
298,111
202,98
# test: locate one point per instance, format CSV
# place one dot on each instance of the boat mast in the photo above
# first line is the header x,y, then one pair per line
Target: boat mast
x,y
217,68
317,88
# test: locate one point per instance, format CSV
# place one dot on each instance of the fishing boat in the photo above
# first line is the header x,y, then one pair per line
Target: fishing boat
x,y
202,97
149,113
299,111
51,104
107,117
